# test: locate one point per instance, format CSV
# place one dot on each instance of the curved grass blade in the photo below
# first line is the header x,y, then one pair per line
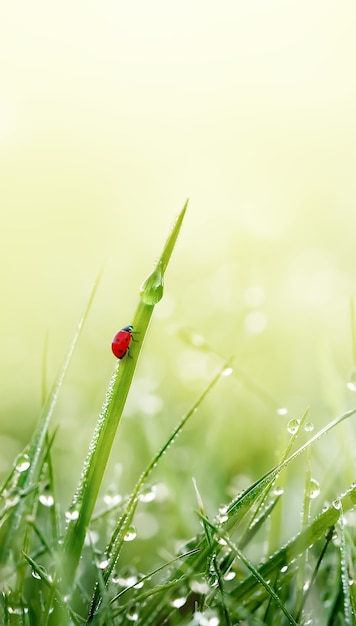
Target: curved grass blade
x,y
306,538
242,503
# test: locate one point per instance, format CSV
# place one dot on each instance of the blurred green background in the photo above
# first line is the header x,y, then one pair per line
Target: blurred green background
x,y
111,114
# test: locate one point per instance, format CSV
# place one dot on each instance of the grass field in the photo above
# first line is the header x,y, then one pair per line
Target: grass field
x,y
280,551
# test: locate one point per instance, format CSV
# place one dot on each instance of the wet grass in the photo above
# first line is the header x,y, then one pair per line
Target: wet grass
x,y
235,570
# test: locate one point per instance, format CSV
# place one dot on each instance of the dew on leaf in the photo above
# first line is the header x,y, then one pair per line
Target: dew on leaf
x,y
351,383
177,603
112,499
148,494
71,515
314,489
130,534
46,499
22,463
132,614
293,426
282,410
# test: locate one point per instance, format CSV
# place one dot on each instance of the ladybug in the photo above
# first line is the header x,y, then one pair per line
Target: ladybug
x,y
120,343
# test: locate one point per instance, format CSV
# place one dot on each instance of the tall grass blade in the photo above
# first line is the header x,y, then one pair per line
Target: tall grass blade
x,y
26,481
87,492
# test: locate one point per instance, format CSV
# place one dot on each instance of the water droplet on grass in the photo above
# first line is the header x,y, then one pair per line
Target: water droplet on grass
x,y
227,371
103,564
151,290
11,501
293,426
22,463
308,427
351,383
337,505
148,494
112,499
314,488
282,411
222,515
132,614
71,515
130,534
46,499
177,603
229,576
125,581
222,541
200,587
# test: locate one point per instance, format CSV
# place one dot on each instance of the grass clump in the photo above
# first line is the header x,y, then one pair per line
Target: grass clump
x,y
231,572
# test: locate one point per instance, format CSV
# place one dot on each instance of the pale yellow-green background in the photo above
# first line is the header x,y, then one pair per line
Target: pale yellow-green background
x,y
111,114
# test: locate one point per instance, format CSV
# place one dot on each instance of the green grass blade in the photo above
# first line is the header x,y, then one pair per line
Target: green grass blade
x,y
238,507
100,447
35,450
306,538
349,613
117,540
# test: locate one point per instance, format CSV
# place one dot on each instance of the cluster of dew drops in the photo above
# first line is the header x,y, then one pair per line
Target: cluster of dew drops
x,y
293,426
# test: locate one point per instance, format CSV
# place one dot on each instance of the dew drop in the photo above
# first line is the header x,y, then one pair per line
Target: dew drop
x,y
130,534
36,575
222,541
200,587
308,427
177,603
293,426
227,371
284,569
148,494
46,499
132,614
229,575
10,502
91,537
337,505
125,581
22,463
197,340
314,489
103,564
282,411
139,584
151,290
112,499
71,515
351,383
222,515
278,491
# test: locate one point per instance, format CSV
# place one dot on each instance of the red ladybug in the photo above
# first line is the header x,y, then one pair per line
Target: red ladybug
x,y
120,343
